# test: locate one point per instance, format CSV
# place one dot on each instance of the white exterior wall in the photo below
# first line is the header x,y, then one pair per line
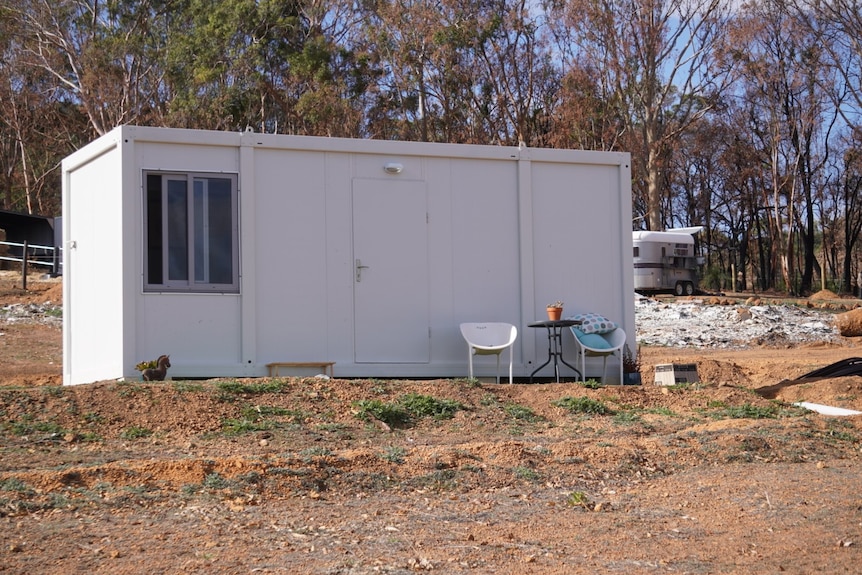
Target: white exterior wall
x,y
478,233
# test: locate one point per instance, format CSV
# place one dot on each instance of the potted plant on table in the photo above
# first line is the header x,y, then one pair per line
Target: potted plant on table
x,y
555,310
631,367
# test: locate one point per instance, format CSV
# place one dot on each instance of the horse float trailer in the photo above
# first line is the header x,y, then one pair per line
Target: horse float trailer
x,y
666,261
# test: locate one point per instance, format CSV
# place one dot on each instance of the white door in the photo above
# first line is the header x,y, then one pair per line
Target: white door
x,y
390,275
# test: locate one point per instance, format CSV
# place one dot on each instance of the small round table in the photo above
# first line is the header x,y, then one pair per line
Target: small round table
x,y
555,344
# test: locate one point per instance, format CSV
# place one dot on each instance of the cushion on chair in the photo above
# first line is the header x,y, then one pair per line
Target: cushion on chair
x,y
594,323
593,340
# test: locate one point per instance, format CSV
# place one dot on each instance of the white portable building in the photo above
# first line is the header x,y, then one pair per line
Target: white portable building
x,y
229,251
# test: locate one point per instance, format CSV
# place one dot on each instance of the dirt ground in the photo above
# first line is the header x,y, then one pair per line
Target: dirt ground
x,y
306,475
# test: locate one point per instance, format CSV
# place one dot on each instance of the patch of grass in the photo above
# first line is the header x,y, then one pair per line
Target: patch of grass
x,y
129,388
748,411
426,406
683,387
310,453
410,406
58,501
250,478
590,384
440,480
26,426
255,418
93,418
245,425
16,485
489,400
54,390
627,417
256,412
527,473
521,413
235,388
332,427
184,386
834,431
289,471
578,499
394,454
135,432
391,414
468,382
582,405
369,482
667,412
215,481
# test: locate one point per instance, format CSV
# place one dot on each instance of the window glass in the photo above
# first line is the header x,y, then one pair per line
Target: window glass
x,y
178,233
154,229
191,227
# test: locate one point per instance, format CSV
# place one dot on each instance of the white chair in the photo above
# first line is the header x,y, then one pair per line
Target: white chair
x,y
489,339
601,345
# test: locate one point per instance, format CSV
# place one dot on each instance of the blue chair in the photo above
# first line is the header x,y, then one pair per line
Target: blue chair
x,y
601,345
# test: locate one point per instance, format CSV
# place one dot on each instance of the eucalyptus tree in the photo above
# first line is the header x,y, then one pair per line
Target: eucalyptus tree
x,y
517,78
657,66
328,83
838,23
845,190
224,61
99,54
38,126
790,117
426,50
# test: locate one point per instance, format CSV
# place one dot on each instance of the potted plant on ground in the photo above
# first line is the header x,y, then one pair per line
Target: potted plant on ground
x,y
555,310
631,367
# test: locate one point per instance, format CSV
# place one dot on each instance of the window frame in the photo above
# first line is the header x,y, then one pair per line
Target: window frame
x,y
162,246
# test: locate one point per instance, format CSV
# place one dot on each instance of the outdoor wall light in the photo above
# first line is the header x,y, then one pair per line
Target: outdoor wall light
x,y
393,168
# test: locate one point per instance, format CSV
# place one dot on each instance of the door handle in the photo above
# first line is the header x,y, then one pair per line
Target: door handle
x,y
359,268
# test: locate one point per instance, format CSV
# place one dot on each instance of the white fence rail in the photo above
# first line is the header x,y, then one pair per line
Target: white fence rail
x,y
32,254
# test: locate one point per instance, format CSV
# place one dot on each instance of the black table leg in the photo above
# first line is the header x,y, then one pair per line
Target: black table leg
x,y
555,346
550,355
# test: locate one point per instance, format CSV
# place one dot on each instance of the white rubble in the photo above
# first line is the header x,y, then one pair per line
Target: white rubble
x,y
25,313
692,323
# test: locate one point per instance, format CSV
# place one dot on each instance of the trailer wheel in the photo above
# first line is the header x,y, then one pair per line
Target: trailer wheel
x,y
679,288
689,288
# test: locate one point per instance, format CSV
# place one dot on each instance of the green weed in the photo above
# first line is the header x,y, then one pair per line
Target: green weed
x,y
427,406
521,413
748,411
233,387
183,386
215,481
527,473
627,417
578,499
135,432
389,413
394,454
582,405
26,426
16,485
